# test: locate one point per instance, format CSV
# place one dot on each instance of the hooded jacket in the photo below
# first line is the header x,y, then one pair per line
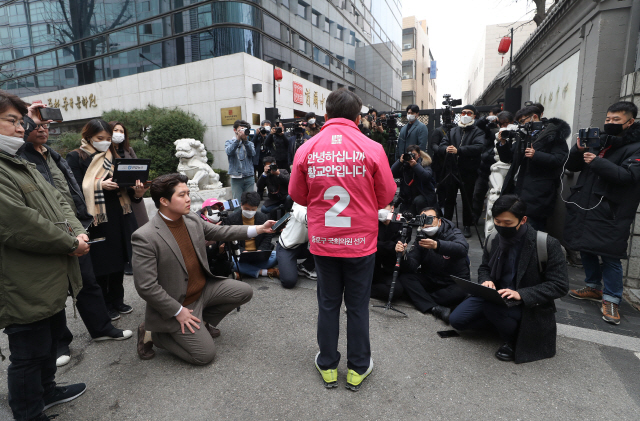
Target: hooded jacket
x,y
538,177
610,188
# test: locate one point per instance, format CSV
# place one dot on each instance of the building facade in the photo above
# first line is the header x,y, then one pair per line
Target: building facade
x,y
417,85
50,45
487,62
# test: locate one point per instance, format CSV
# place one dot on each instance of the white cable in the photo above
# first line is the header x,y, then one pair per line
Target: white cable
x,y
562,188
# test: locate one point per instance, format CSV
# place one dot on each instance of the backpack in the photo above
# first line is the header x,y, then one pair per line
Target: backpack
x,y
541,247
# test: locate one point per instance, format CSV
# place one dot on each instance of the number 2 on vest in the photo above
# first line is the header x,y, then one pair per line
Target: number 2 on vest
x,y
331,218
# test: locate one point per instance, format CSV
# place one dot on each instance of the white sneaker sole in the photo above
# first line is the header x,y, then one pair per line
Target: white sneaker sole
x,y
126,334
63,360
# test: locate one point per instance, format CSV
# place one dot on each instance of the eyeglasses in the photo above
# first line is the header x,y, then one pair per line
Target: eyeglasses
x,y
17,123
466,113
43,125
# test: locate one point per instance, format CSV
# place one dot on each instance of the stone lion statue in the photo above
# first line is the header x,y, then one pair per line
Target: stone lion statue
x,y
193,163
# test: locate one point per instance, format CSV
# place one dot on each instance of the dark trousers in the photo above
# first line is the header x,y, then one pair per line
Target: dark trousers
x,y
351,277
288,263
381,286
538,224
425,295
476,313
31,374
91,306
479,193
112,289
452,186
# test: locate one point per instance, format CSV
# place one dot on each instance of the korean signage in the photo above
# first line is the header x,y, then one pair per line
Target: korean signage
x,y
69,102
228,116
298,96
434,70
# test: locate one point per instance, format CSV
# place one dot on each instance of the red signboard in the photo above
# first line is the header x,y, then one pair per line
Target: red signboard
x,y
298,95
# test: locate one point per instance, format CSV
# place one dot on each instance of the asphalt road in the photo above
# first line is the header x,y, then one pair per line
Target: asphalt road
x,y
264,371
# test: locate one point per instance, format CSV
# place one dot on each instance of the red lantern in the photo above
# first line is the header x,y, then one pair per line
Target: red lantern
x,y
505,44
277,74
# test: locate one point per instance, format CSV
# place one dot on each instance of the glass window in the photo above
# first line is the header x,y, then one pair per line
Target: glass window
x,y
225,12
302,45
119,13
327,24
93,47
408,69
123,39
154,30
339,32
352,65
315,17
223,41
408,38
285,3
272,27
205,16
46,60
317,80
302,10
352,38
408,98
320,57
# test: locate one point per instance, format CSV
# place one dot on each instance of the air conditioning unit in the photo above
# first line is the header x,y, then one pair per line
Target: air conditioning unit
x,y
406,76
408,46
294,71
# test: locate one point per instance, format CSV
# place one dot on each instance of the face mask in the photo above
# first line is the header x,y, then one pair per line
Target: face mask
x,y
312,121
10,144
507,232
248,214
267,128
430,231
492,117
101,146
117,138
383,214
614,129
411,117
466,119
214,217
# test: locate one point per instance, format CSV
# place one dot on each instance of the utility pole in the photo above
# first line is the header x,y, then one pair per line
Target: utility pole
x,y
511,59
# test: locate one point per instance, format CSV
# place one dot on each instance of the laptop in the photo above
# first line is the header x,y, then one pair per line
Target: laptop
x,y
487,293
254,256
127,171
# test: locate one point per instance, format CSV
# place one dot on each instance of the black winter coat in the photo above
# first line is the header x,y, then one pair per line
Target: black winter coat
x,y
434,151
388,237
487,158
261,149
539,177
537,331
470,143
292,146
279,146
449,258
263,241
415,180
110,255
277,186
613,184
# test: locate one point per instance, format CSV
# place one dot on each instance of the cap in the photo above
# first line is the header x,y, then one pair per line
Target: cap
x,y
211,202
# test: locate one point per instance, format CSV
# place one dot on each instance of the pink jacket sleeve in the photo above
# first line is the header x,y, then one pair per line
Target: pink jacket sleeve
x,y
298,188
385,186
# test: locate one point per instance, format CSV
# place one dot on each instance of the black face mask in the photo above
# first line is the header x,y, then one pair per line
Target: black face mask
x,y
614,129
507,232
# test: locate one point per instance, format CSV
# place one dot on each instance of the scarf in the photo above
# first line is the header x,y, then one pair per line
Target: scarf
x,y
99,169
504,260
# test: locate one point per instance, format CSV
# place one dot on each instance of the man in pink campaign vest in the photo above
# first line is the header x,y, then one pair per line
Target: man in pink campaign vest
x,y
343,178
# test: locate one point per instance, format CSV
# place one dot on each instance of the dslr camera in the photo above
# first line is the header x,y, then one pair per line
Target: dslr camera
x,y
406,157
273,167
263,130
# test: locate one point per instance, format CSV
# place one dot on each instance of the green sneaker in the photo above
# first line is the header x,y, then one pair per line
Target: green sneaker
x,y
354,380
329,377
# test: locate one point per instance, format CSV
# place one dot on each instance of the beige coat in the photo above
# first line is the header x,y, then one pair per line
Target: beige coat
x,y
159,272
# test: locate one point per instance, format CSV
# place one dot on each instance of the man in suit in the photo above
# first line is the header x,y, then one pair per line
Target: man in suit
x,y
171,274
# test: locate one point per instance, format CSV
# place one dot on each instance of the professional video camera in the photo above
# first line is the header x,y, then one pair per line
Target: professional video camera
x,y
448,116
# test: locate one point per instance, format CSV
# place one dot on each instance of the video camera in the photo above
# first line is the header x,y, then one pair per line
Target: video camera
x,y
589,138
448,116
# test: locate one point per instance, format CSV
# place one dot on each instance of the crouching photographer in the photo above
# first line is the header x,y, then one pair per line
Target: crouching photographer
x,y
417,182
440,250
293,245
389,234
276,180
219,262
603,205
537,153
528,269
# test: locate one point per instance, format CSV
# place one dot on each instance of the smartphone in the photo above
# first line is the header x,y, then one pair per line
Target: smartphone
x,y
282,223
148,183
448,334
227,204
96,240
48,113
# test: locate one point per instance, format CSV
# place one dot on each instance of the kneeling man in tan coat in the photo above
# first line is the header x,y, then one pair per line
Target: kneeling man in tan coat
x,y
172,275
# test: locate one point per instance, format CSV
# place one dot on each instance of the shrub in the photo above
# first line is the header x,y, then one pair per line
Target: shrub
x,y
65,143
224,176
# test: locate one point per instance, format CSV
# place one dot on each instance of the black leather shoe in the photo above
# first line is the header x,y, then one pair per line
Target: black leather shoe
x,y
506,352
467,232
127,269
442,313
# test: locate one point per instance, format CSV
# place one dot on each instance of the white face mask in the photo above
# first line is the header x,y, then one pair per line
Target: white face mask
x,y
267,128
215,217
10,144
248,214
117,137
383,214
101,146
312,121
466,119
430,231
411,117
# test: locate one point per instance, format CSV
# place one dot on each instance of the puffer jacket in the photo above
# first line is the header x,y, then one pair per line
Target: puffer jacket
x,y
610,188
296,231
469,141
36,269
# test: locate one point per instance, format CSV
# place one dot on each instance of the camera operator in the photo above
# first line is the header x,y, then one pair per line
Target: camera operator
x,y
278,143
603,205
417,183
378,132
313,127
296,140
365,125
413,133
219,263
389,234
240,153
259,141
489,125
276,181
511,264
461,150
293,245
539,168
443,252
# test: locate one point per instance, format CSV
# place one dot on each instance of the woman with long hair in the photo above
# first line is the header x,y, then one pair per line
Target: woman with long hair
x,y
110,205
120,140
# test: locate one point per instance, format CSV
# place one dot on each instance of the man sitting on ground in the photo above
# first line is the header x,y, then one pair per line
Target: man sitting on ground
x,y
171,274
443,253
277,183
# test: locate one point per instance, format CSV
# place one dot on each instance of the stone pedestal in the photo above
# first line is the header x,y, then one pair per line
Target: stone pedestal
x,y
198,197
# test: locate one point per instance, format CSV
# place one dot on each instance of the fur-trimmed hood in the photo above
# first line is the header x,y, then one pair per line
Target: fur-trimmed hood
x,y
556,130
